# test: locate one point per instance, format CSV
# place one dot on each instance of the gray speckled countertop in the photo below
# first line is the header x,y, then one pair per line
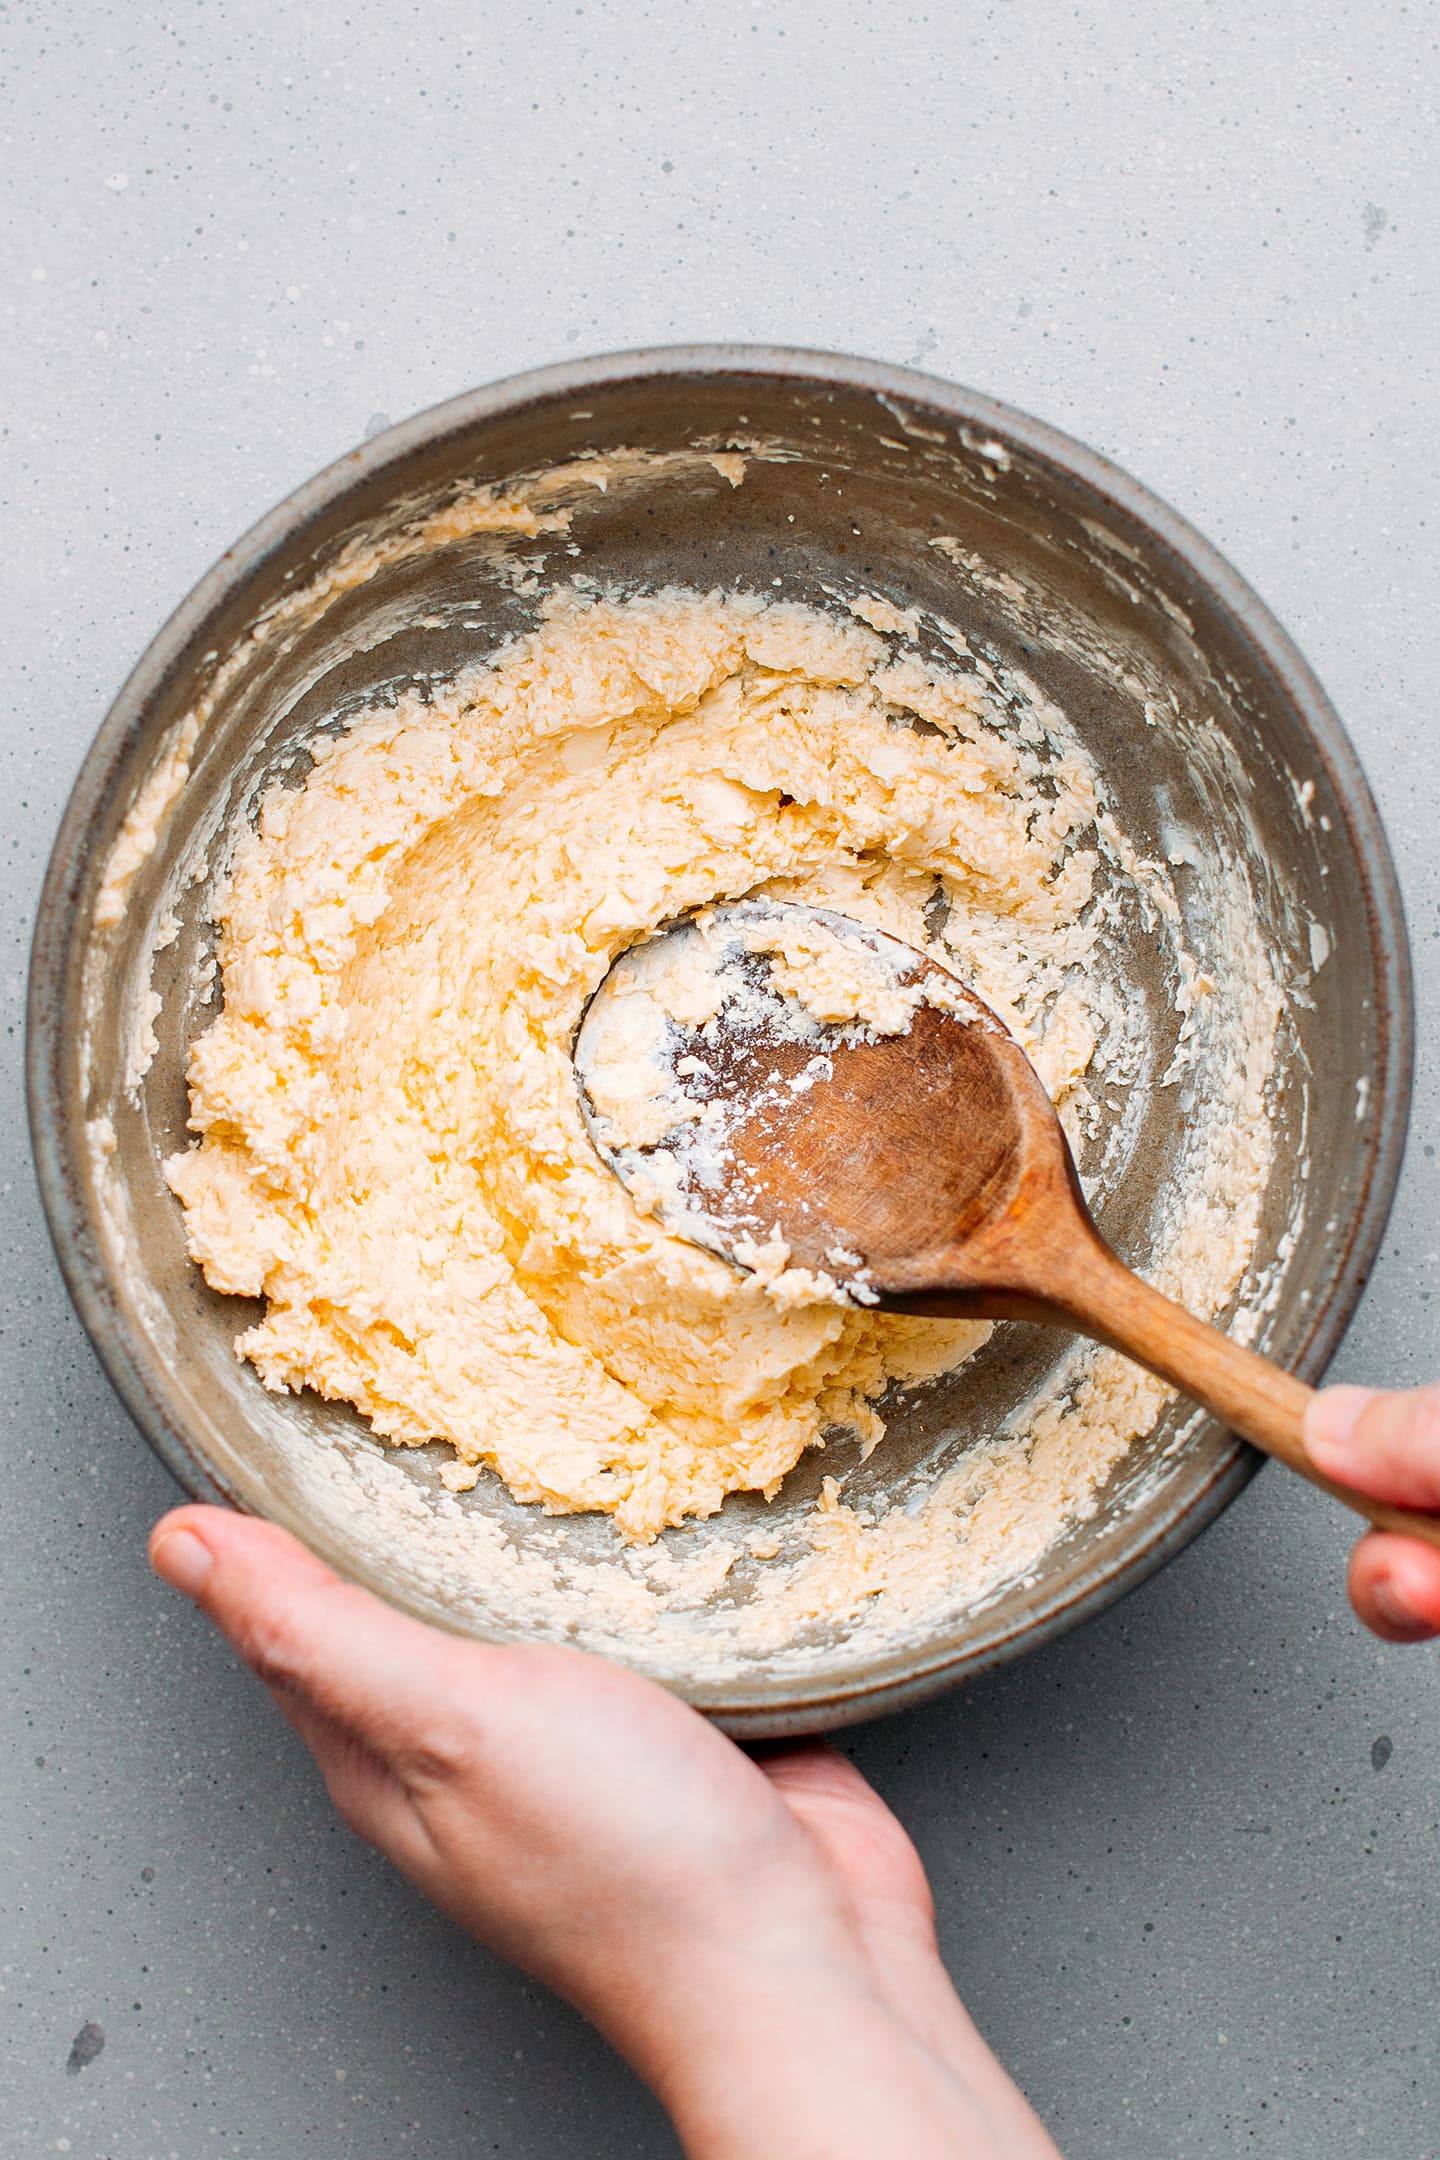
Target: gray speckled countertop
x,y
1184,1859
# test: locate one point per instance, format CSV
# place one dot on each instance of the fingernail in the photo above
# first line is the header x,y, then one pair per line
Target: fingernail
x,y
1330,1425
182,1559
1393,1608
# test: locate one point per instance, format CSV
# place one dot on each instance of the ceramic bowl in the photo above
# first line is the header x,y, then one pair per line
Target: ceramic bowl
x,y
859,469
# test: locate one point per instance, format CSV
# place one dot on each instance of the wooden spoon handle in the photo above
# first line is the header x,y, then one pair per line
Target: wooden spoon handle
x,y
1104,1298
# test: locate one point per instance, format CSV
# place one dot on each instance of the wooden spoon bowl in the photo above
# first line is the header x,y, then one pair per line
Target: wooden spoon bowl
x,y
925,1171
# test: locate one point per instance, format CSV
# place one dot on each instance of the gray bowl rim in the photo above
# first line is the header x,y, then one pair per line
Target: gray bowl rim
x,y
139,1375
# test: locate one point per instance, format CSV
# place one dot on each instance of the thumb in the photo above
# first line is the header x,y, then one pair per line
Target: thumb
x,y
1385,1443
325,1648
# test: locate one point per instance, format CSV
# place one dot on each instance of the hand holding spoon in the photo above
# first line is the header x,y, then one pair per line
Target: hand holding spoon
x,y
912,1156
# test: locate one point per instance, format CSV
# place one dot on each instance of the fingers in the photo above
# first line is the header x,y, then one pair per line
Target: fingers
x,y
1386,1444
1395,1587
326,1649
854,1829
813,1766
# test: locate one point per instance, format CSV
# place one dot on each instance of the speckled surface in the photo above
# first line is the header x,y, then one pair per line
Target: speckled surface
x,y
1183,1859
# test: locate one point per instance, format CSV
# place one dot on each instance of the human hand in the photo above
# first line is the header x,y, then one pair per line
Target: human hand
x,y
754,1935
1386,1444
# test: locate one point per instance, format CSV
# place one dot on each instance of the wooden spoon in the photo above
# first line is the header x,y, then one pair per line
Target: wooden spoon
x,y
924,1170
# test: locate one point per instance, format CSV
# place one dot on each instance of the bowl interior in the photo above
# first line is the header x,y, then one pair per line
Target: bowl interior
x,y
1172,682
